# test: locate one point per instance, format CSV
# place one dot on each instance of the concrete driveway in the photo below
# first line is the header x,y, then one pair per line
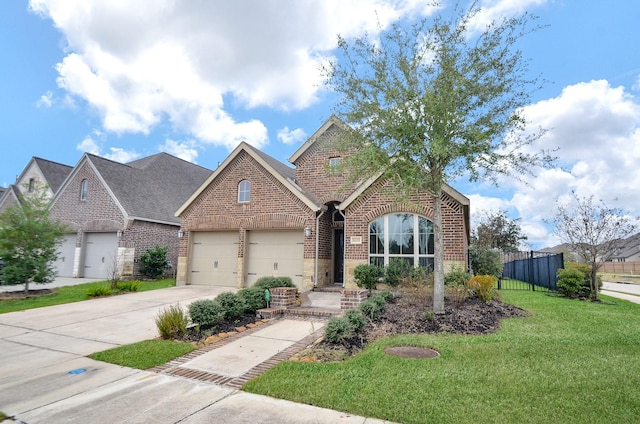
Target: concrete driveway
x,y
46,378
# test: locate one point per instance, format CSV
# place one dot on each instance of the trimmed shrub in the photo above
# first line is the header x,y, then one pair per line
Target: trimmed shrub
x,y
153,262
386,295
271,282
586,270
483,285
371,309
232,305
338,330
457,276
172,322
356,319
571,283
366,276
206,312
253,298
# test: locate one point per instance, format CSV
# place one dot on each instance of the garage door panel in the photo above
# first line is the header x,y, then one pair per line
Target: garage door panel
x,y
275,254
214,258
101,250
66,256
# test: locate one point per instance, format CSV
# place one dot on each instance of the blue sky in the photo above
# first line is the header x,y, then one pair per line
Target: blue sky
x,y
123,80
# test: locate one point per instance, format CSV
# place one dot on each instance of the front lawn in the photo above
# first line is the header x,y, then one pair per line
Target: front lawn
x,y
69,294
145,354
570,362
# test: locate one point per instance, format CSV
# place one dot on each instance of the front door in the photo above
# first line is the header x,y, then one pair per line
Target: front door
x,y
338,256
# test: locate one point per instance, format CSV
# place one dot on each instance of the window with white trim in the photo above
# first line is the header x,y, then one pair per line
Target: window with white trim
x,y
393,237
84,188
244,191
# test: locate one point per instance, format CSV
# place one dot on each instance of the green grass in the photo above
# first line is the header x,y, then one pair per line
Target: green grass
x,y
145,354
69,294
570,362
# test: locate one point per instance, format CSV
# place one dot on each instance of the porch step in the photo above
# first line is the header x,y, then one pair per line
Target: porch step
x,y
328,289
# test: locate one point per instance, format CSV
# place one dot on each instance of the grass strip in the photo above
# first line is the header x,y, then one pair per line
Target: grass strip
x,y
572,362
145,354
70,294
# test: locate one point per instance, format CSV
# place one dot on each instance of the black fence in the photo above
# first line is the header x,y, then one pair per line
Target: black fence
x,y
530,271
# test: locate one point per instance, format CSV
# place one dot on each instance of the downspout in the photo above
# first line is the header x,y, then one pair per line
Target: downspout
x,y
315,276
344,248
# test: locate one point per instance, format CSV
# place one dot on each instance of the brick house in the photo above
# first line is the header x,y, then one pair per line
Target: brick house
x,y
117,211
39,173
255,216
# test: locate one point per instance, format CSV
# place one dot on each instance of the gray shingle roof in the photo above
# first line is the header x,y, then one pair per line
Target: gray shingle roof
x,y
151,188
54,172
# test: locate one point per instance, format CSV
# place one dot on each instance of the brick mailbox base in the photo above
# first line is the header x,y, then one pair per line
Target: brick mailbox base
x,y
283,297
352,298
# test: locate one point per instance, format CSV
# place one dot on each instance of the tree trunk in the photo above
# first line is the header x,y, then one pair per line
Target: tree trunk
x,y
438,272
594,282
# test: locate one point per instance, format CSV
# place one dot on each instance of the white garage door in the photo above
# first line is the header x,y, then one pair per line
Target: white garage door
x,y
66,255
275,254
100,256
214,258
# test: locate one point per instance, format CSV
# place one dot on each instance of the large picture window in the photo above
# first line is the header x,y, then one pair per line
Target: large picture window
x,y
401,236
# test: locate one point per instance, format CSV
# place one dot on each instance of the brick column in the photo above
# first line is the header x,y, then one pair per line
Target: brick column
x,y
283,297
352,298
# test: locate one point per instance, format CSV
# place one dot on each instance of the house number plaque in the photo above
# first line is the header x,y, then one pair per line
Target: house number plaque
x,y
356,240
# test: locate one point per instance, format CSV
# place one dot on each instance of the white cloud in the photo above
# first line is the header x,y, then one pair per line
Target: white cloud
x,y
46,100
184,150
288,136
179,61
118,154
495,10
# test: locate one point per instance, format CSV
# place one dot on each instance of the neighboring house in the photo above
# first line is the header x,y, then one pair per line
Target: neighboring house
x,y
255,217
38,173
117,211
628,250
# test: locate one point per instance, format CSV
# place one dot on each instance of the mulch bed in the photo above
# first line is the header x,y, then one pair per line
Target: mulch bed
x,y
225,326
409,314
21,294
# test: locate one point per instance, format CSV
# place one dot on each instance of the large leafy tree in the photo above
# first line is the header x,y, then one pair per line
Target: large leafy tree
x,y
435,102
29,241
496,230
594,232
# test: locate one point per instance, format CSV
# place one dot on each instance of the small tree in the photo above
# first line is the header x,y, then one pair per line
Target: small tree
x,y
433,103
153,262
29,241
593,230
497,231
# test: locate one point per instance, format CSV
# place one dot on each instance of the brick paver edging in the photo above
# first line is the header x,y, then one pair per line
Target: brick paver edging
x,y
175,368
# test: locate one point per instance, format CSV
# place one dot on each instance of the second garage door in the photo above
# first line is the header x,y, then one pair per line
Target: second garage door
x,y
100,256
66,256
275,254
214,259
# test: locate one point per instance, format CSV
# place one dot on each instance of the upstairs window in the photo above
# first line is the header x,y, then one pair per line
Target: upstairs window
x,y
334,163
244,191
32,183
84,188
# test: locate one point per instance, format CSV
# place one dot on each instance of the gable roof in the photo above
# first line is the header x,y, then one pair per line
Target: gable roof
x,y
333,120
53,172
8,194
148,189
282,172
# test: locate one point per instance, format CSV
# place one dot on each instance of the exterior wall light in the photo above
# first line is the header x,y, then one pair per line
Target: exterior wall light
x,y
119,233
307,232
180,233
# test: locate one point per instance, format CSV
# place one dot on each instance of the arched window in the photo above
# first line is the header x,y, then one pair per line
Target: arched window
x,y
393,237
244,191
84,188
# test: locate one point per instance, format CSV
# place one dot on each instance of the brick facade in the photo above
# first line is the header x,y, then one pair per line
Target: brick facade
x,y
100,213
276,206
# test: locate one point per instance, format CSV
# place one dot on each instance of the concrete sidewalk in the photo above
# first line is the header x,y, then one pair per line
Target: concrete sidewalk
x,y
630,291
58,282
46,378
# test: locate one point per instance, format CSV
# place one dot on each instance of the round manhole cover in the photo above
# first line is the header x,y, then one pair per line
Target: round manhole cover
x,y
411,352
